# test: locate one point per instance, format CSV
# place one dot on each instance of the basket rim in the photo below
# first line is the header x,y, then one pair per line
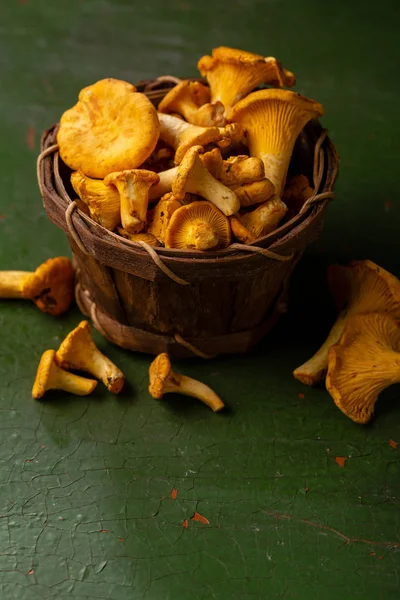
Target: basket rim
x,y
277,238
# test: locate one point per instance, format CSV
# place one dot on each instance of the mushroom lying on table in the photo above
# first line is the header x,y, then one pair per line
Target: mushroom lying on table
x,y
79,352
233,73
51,286
163,380
364,363
111,128
51,377
273,120
359,288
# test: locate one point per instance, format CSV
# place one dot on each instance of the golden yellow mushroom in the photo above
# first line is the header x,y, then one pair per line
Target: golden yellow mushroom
x,y
161,216
193,177
133,187
235,170
297,191
50,377
272,120
163,380
148,238
254,193
182,136
111,128
359,288
259,222
184,99
198,226
102,201
51,286
233,73
79,352
364,363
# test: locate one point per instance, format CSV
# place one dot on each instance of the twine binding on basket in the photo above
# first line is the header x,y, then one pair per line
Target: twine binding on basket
x,y
318,169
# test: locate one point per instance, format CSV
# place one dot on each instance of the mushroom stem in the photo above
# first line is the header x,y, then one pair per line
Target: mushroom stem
x,y
314,369
12,283
276,167
196,389
68,382
164,185
49,376
193,177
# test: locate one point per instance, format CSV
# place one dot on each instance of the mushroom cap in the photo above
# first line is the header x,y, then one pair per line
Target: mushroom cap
x,y
255,192
213,161
269,69
199,225
363,363
78,343
43,374
135,175
162,214
148,238
111,128
363,287
248,108
297,191
240,231
159,371
51,286
192,91
102,201
266,217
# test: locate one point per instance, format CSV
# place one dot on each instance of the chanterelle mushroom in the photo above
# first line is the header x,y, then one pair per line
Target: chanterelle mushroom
x,y
199,226
164,185
297,191
364,363
182,136
235,170
233,73
102,200
254,193
184,99
51,286
79,352
359,288
164,380
50,377
272,120
192,176
111,128
148,238
161,216
133,187
262,220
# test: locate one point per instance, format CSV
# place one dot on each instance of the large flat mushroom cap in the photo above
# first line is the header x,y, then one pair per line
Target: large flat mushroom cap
x,y
111,128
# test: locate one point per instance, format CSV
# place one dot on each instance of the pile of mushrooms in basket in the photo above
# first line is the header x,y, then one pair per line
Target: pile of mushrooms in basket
x,y
207,168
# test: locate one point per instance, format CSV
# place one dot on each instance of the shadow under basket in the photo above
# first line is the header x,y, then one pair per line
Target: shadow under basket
x,y
183,302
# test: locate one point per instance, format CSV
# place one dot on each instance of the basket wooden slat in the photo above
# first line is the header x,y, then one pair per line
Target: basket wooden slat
x,y
233,297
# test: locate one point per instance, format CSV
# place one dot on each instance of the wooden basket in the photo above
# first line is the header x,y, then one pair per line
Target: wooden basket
x,y
186,302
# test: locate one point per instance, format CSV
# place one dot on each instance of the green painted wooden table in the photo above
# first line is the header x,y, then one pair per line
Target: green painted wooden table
x,y
85,498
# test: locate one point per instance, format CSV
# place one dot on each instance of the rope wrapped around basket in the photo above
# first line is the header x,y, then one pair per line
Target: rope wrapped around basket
x,y
118,332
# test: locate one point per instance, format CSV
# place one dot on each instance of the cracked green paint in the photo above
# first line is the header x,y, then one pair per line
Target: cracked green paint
x,y
85,483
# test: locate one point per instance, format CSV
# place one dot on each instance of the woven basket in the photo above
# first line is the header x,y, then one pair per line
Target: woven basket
x,y
186,302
